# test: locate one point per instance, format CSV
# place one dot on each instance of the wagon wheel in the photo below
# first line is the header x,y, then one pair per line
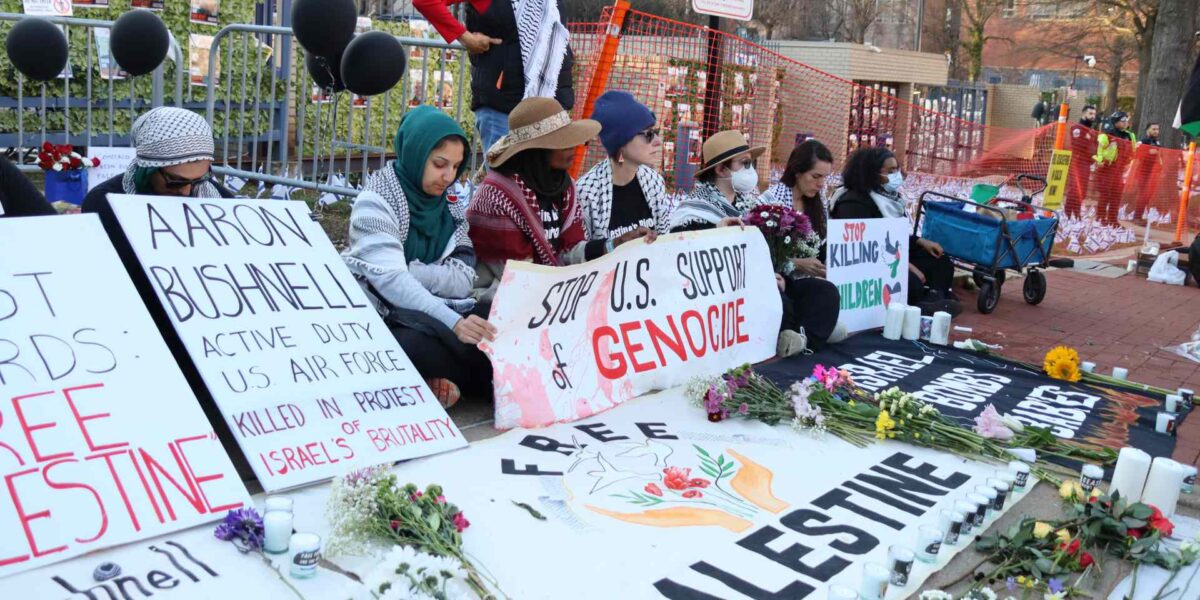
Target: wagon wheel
x,y
1035,287
989,297
978,277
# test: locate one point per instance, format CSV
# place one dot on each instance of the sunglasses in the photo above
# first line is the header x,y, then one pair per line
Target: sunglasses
x,y
650,134
175,183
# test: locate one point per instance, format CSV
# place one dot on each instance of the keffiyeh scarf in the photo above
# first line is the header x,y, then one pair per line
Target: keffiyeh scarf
x,y
543,41
707,205
168,136
505,224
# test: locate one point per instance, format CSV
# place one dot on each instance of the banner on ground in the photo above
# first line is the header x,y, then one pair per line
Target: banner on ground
x,y
575,341
960,384
867,259
304,371
101,440
683,508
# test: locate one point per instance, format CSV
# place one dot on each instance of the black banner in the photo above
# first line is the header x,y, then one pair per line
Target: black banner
x,y
961,384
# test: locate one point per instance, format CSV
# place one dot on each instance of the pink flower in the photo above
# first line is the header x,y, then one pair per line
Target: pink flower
x,y
743,409
828,377
989,424
652,488
676,478
461,522
441,499
693,494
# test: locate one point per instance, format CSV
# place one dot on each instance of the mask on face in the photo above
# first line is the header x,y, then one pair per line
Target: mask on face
x,y
745,180
894,180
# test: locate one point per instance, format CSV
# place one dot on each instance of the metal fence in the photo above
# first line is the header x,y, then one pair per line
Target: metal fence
x,y
95,97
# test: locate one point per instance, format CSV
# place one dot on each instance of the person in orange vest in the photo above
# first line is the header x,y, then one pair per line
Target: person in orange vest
x,y
1114,152
1147,168
1083,146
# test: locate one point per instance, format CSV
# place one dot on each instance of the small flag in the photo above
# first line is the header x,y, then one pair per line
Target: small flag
x,y
1188,116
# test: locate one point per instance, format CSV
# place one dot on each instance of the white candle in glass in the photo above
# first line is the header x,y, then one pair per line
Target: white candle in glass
x,y
1162,486
989,495
1007,477
929,543
900,559
970,512
1120,373
1021,471
983,506
874,582
1088,366
1189,479
277,531
278,503
1165,423
1172,402
912,323
1001,487
841,592
305,553
1129,476
1090,476
951,524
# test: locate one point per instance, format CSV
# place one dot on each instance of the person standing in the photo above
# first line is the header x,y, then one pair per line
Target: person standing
x,y
624,191
1147,168
1083,146
1114,152
519,49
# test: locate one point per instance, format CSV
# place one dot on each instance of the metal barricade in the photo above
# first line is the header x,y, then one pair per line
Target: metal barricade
x,y
94,94
274,126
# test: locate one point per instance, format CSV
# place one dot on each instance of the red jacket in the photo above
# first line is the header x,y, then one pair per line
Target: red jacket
x,y
439,16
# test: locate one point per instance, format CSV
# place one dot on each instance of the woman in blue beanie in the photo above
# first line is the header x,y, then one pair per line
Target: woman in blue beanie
x,y
625,193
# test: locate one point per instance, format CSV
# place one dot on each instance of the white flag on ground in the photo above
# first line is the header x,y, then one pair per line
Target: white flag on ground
x,y
337,180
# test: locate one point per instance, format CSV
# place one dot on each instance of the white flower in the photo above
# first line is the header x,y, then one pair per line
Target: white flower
x,y
771,223
935,595
1012,423
986,593
787,239
764,214
1056,596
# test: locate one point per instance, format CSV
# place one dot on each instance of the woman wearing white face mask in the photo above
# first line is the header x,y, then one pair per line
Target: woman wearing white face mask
x,y
871,181
726,186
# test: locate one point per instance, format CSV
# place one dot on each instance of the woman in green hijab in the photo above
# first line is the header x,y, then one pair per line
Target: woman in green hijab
x,y
410,250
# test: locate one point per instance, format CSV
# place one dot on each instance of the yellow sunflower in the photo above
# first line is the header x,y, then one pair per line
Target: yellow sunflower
x,y
1060,354
1064,370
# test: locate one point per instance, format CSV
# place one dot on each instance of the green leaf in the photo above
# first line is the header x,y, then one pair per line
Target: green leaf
x,y
1140,511
702,451
711,472
721,460
1133,523
434,520
1044,565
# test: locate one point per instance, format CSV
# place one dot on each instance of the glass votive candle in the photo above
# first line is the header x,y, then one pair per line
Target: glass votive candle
x,y
970,512
983,507
900,559
951,524
989,493
277,531
282,503
1171,404
1165,423
841,592
1001,488
1120,373
1189,479
929,543
305,549
1007,477
1088,366
1090,476
1188,397
874,582
1021,471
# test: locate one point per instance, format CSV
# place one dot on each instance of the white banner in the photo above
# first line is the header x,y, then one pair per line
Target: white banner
x,y
868,260
101,440
575,341
738,10
651,500
307,375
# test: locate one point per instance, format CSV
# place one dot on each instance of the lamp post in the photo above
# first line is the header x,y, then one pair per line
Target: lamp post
x,y
1087,59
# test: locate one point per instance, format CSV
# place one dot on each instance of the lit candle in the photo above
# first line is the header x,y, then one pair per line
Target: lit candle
x,y
1001,488
1089,477
1165,423
912,323
277,531
929,543
940,333
1162,486
900,559
841,592
893,324
1021,471
951,524
1189,479
305,554
1088,366
1171,405
1120,373
1129,476
874,583
282,503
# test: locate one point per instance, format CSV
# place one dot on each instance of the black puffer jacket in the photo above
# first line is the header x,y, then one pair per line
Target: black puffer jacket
x,y
498,76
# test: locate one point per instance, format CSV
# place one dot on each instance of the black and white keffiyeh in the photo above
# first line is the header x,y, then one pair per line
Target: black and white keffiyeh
x,y
543,40
595,192
708,205
168,136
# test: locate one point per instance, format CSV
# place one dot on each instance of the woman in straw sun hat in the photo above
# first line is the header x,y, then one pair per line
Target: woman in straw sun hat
x,y
526,208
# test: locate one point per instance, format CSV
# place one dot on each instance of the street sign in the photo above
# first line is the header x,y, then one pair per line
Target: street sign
x,y
738,10
1056,180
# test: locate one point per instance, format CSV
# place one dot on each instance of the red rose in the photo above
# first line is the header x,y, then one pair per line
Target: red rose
x,y
1085,560
693,494
76,163
47,147
676,478
1135,533
395,524
715,417
461,522
698,483
1073,549
653,489
1162,525
95,161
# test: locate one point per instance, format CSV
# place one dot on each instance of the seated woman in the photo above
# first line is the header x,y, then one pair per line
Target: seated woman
x,y
871,181
410,250
726,187
18,196
526,208
624,192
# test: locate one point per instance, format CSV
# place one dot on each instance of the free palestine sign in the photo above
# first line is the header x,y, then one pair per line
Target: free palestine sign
x,y
305,372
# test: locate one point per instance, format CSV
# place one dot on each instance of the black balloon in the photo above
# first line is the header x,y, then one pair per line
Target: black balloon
x,y
324,27
37,48
373,63
139,41
326,73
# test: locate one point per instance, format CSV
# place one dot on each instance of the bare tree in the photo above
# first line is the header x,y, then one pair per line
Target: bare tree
x,y
1106,35
975,17
857,16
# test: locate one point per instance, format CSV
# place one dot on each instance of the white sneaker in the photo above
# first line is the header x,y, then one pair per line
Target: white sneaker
x,y
840,332
791,343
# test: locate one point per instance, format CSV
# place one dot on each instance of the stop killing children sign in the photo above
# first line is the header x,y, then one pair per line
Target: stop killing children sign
x,y
868,260
305,372
101,440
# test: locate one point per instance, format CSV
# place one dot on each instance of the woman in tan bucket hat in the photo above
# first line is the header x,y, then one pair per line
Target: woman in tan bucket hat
x,y
526,208
726,185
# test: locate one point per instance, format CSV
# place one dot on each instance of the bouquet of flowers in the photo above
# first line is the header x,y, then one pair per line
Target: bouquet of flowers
x,y
789,233
368,507
62,157
1062,363
412,575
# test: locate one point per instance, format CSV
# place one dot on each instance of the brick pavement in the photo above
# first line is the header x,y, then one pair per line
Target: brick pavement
x,y
1113,322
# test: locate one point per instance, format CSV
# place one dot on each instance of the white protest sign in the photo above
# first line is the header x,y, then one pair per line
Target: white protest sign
x,y
575,341
113,161
101,440
48,8
868,260
305,372
683,508
738,10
